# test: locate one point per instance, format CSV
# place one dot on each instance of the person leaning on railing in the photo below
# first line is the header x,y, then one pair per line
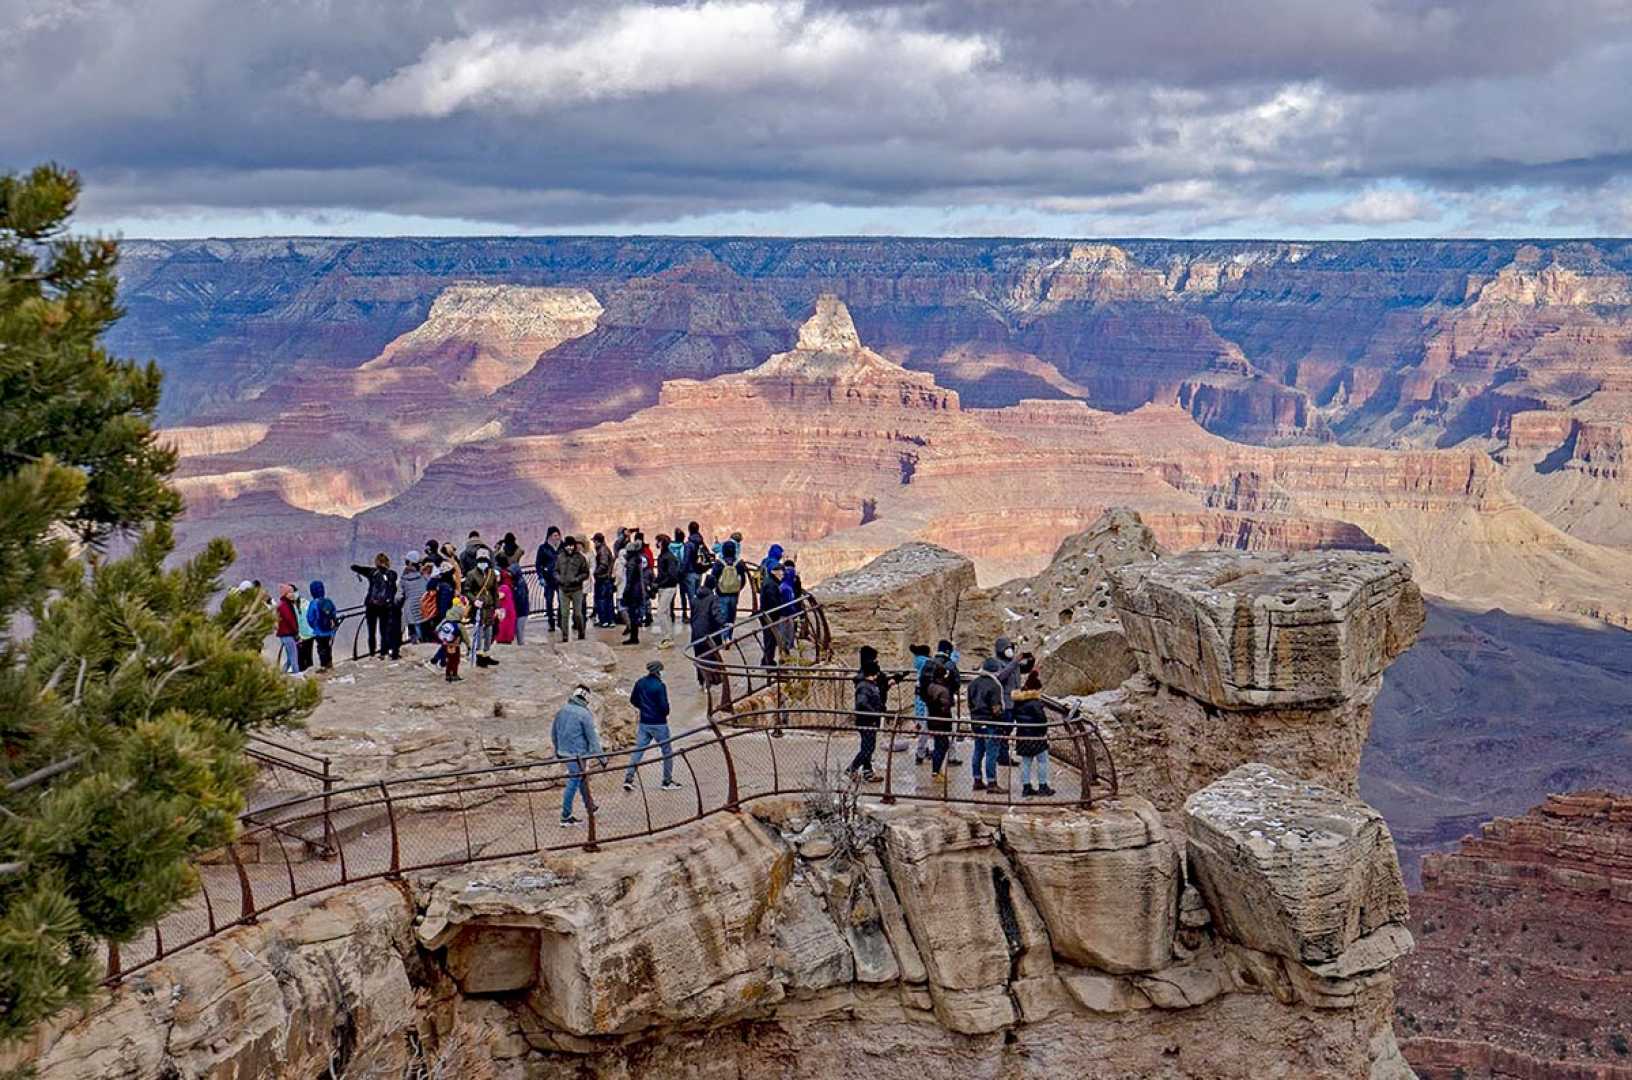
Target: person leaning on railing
x,y
1031,731
772,615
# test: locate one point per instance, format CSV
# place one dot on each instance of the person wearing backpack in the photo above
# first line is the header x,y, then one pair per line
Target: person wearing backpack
x,y
938,684
693,564
666,581
455,639
726,580
677,547
378,605
430,605
325,620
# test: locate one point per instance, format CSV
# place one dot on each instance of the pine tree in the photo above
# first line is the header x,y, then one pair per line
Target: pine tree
x,y
123,712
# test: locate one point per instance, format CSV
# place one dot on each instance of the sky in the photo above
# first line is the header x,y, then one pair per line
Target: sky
x,y
1315,119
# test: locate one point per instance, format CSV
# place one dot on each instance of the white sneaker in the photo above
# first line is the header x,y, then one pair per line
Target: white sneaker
x,y
570,822
670,785
628,785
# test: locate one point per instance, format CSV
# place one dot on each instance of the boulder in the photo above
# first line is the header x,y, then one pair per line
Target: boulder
x,y
909,595
1105,880
1247,631
1297,870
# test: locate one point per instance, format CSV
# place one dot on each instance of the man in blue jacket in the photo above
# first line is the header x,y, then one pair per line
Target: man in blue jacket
x,y
651,699
548,552
573,736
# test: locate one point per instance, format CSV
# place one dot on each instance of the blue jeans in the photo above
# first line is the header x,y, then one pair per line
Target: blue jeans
x,y
291,657
646,735
688,589
728,611
1040,763
575,784
552,605
987,749
606,610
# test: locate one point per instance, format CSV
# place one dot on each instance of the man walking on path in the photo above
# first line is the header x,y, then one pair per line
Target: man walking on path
x,y
573,736
573,571
651,699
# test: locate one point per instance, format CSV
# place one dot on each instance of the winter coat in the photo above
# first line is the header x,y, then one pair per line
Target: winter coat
x,y
1030,723
939,719
603,562
634,579
770,598
1008,671
411,591
572,570
573,732
705,620
320,601
651,698
548,555
869,699
773,558
288,618
693,561
668,569
382,580
483,590
518,587
986,693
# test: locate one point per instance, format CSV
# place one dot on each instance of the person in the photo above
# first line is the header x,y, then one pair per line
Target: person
x,y
325,621
677,547
872,687
482,596
288,630
303,611
648,571
520,599
705,633
771,614
410,597
938,683
605,583
455,639
548,554
620,542
725,580
572,571
473,549
430,609
920,712
773,558
666,580
504,629
455,570
510,549
693,564
634,592
651,701
573,736
1031,734
989,710
378,604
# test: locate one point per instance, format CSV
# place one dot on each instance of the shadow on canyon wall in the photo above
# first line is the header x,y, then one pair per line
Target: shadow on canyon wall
x,y
1489,713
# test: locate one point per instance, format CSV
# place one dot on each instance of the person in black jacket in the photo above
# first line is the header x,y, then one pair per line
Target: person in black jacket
x,y
381,608
651,700
1031,733
705,634
666,581
938,685
872,689
634,592
549,552
771,613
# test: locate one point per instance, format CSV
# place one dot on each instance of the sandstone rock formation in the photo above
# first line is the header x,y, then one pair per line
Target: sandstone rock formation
x,y
1531,919
909,595
995,943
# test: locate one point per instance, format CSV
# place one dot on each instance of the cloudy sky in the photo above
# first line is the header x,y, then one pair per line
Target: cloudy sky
x,y
1289,118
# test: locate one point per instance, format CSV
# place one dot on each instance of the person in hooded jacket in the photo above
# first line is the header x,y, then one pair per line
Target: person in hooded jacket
x,y
325,621
410,596
573,736
666,580
522,598
938,685
990,702
773,558
504,630
573,571
634,592
772,615
705,634
872,688
482,594
1031,733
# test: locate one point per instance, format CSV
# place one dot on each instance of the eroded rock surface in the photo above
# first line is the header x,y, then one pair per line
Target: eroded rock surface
x,y
909,595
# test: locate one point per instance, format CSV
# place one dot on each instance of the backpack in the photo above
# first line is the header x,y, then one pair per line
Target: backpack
x,y
938,694
448,632
427,606
730,581
323,617
678,550
382,588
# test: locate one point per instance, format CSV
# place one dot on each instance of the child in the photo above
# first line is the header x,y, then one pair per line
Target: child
x,y
1031,731
454,637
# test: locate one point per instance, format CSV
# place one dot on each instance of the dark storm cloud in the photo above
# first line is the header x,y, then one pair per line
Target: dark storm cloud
x,y
1120,112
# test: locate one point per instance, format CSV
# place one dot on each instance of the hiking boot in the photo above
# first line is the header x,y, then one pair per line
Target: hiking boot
x,y
492,662
628,785
868,776
482,661
953,759
1027,791
454,678
670,785
919,758
978,785
1045,791
994,788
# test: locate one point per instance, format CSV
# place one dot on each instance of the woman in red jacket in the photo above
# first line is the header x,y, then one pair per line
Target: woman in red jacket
x,y
289,629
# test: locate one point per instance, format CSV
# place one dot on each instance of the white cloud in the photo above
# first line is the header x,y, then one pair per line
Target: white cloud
x,y
716,45
1387,206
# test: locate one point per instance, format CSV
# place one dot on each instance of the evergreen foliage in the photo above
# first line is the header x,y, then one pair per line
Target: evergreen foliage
x,y
123,712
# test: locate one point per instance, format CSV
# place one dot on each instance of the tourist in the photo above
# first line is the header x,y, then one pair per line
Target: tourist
x,y
482,594
303,609
411,597
634,592
573,736
693,564
773,558
378,604
288,630
430,610
651,701
433,551
619,543
677,546
666,581
325,622
605,583
572,571
726,580
521,599
872,688
938,683
771,614
454,639
473,550
548,552
921,657
504,630
1031,733
455,570
510,549
705,633
990,701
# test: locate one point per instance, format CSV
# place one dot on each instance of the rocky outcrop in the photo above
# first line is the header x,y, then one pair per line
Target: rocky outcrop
x,y
995,942
1532,915
909,595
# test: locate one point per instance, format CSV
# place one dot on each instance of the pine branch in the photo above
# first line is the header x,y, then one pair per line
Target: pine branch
x,y
44,773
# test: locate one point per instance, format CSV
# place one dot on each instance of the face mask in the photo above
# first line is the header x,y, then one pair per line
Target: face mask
x,y
1008,654
482,566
